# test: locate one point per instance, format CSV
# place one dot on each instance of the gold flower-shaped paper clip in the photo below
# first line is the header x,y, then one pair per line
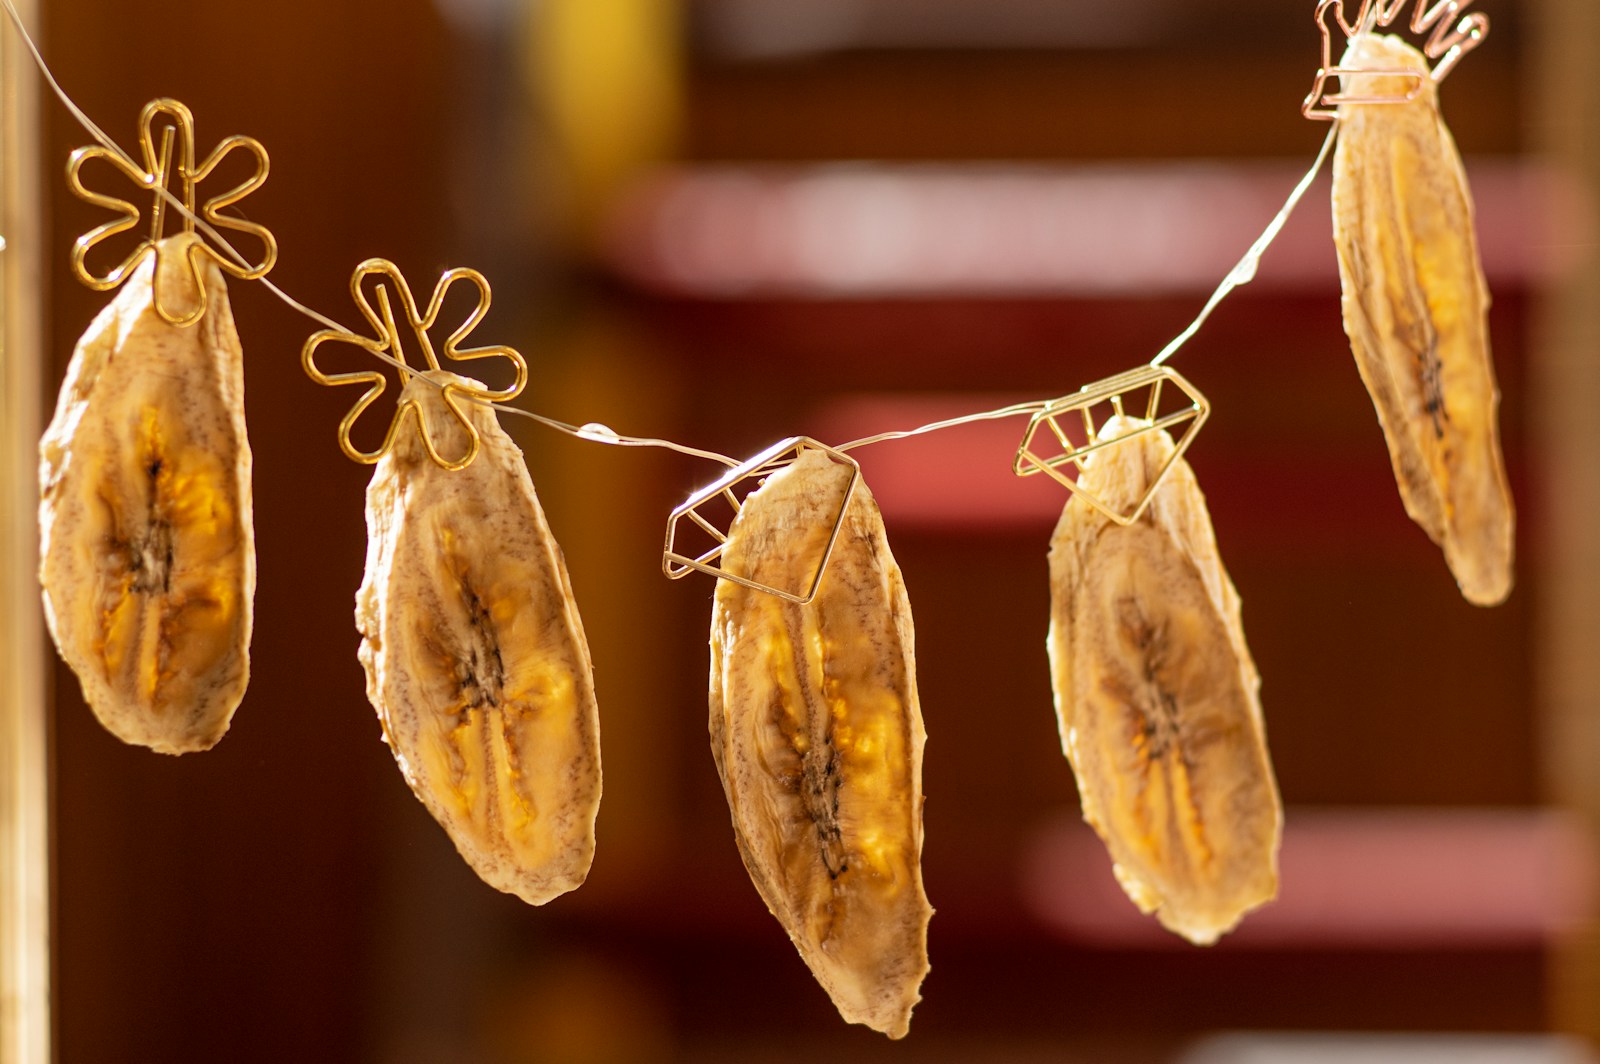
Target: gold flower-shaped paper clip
x,y
160,168
387,343
1451,35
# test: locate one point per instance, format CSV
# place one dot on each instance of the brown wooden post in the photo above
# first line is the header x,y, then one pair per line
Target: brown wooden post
x,y
24,775
1565,420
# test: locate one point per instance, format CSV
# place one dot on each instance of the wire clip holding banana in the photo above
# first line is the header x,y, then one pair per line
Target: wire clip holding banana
x,y
676,564
386,345
159,169
1114,392
1452,36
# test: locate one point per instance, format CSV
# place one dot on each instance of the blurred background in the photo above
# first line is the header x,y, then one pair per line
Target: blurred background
x,y
724,222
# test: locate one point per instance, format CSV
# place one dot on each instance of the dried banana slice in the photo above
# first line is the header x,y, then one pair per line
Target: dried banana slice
x,y
475,655
1416,310
1157,695
146,545
817,734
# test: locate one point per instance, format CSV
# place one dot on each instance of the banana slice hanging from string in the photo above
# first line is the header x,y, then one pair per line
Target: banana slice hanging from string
x,y
146,543
817,734
475,655
1157,694
1416,311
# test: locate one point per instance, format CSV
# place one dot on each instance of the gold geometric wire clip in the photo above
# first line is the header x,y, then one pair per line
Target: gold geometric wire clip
x,y
159,168
676,564
1115,392
387,342
1449,41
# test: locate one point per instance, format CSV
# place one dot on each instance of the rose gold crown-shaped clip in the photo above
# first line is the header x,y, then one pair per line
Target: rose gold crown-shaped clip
x,y
724,494
388,346
1142,391
170,164
1451,35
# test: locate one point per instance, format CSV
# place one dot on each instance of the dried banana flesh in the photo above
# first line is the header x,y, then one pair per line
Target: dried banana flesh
x,y
146,545
1416,310
475,655
817,734
1157,695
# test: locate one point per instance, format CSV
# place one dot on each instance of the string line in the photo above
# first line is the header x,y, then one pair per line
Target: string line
x,y
1242,273
1014,410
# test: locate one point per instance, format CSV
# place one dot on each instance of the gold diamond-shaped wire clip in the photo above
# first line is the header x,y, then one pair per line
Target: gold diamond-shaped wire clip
x,y
1117,393
161,168
783,453
387,342
1452,36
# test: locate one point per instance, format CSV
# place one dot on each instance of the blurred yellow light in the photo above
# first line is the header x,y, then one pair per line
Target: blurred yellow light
x,y
607,75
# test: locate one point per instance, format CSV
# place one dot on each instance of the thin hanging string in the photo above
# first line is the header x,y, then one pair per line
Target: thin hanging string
x,y
1245,270
1242,273
598,433
592,431
1370,21
1014,410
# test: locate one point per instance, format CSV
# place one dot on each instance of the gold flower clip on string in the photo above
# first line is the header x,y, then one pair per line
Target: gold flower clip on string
x,y
1077,441
677,561
386,345
170,170
1453,36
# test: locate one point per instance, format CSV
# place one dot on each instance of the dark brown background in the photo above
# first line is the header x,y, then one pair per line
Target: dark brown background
x,y
284,898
